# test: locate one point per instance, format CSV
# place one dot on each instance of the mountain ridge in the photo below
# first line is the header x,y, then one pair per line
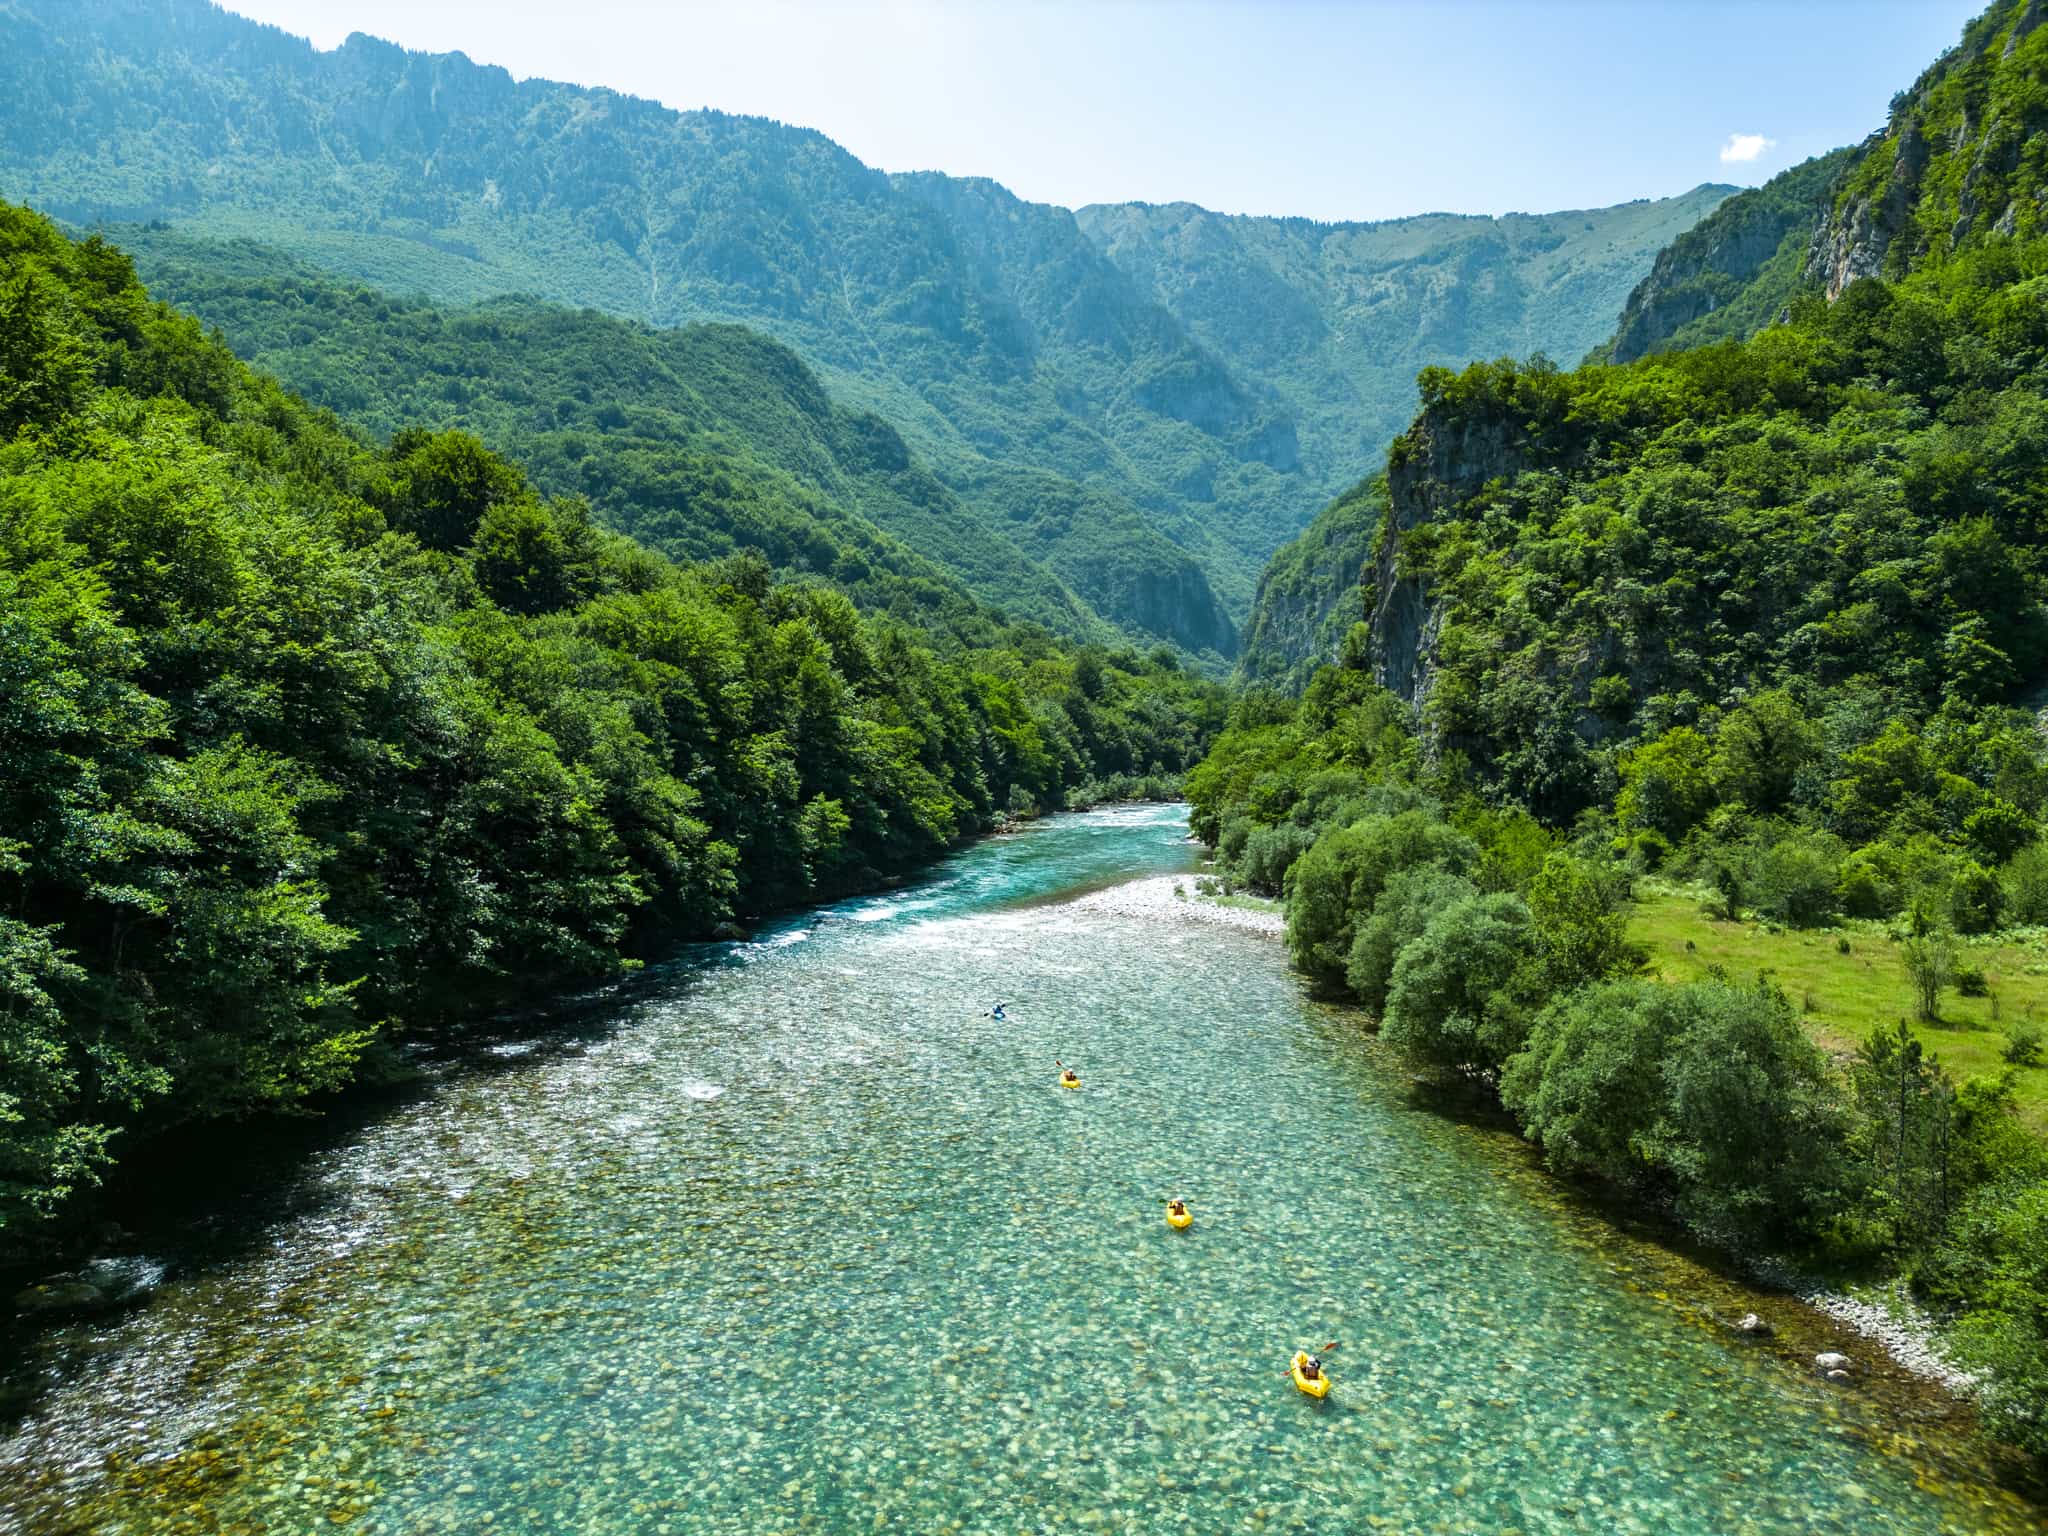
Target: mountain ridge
x,y
994,333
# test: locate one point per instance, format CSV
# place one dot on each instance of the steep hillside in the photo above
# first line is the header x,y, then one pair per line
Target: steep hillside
x,y
1313,592
1005,345
1735,270
1956,166
433,175
1334,320
699,440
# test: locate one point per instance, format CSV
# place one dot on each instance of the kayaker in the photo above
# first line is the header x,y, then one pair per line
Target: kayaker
x,y
997,1014
1176,1207
1311,1365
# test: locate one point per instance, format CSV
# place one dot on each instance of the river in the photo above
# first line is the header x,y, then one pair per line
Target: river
x,y
788,1236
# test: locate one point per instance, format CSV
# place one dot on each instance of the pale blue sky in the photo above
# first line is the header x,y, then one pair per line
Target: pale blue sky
x,y
1364,110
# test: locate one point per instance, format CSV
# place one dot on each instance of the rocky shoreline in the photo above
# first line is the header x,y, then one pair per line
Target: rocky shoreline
x,y
1174,898
1899,1327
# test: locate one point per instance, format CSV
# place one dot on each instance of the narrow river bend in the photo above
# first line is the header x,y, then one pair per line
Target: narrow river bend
x,y
800,1241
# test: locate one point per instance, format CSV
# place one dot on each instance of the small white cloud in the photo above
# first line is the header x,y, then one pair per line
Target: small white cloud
x,y
1742,148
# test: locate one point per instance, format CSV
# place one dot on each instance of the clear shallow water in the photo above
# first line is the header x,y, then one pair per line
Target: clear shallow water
x,y
801,1242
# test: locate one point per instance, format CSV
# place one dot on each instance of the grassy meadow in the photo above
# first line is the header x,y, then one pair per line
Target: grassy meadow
x,y
1843,994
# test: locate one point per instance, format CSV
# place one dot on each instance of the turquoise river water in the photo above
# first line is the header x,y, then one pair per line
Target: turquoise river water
x,y
788,1236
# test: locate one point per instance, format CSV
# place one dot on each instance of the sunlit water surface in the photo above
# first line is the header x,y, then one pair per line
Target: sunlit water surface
x,y
799,1240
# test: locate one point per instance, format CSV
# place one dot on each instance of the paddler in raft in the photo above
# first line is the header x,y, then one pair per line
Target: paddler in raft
x,y
1307,1370
1069,1078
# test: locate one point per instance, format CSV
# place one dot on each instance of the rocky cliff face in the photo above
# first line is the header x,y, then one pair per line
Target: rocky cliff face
x,y
1733,270
1953,165
1313,592
1333,320
1951,168
1447,457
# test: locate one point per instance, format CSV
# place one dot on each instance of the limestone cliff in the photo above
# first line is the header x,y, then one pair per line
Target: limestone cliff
x,y
1733,271
1313,592
1955,165
1449,455
1951,170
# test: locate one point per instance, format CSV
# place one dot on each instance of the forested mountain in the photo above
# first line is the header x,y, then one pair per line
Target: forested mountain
x,y
1313,592
304,742
1843,501
1102,411
1335,320
697,441
1733,271
1956,167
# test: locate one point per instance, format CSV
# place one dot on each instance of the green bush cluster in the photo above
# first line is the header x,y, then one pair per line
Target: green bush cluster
x,y
1795,806
303,742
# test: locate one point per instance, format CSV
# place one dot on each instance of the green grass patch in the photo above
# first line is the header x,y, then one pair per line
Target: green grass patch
x,y
1843,995
1249,903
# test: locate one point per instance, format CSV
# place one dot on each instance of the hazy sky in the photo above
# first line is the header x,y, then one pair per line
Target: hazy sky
x,y
1363,110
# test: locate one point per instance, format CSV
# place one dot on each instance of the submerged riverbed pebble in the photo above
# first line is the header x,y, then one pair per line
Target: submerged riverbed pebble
x,y
892,1277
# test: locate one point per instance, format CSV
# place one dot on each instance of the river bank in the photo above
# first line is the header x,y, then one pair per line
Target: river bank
x,y
1907,1336
84,1266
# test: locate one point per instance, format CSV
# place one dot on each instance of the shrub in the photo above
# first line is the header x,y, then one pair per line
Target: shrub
x,y
1581,922
1587,1086
2026,885
1996,1262
2025,1045
1796,878
1997,829
1341,876
1930,960
1451,1005
1866,887
1269,852
1400,916
1666,785
1709,1091
1648,850
1974,898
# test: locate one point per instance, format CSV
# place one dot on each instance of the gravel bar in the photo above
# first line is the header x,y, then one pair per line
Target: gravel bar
x,y
1153,898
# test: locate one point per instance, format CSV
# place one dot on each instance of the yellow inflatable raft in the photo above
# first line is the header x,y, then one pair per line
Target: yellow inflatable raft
x,y
1070,1079
1314,1387
1181,1218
